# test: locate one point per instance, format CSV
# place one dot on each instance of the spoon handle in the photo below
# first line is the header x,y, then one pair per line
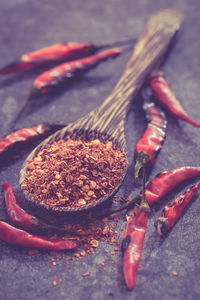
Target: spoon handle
x,y
150,50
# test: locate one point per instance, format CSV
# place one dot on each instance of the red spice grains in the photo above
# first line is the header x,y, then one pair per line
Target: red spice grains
x,y
85,274
90,233
74,173
54,280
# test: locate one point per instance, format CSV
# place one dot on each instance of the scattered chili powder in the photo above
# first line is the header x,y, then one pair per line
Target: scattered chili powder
x,y
92,231
74,173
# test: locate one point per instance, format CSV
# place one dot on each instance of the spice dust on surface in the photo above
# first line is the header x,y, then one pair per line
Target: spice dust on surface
x,y
74,173
91,233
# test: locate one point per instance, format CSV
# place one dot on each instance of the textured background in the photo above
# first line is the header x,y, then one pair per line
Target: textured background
x,y
27,25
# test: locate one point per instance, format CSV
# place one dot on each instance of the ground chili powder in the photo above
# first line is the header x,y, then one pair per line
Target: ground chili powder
x,y
73,173
92,231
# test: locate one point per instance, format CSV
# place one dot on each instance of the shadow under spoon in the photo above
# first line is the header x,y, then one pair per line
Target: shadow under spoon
x,y
106,122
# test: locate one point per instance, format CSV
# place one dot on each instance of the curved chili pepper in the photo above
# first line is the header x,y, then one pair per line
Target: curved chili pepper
x,y
166,97
132,244
153,138
20,217
46,81
159,186
172,212
165,181
55,53
68,70
26,134
15,236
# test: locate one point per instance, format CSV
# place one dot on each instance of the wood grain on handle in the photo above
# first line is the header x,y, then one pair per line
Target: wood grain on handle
x,y
158,35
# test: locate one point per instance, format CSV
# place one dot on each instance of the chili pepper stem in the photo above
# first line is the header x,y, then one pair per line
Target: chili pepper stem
x,y
130,203
161,225
141,160
144,206
137,168
34,93
116,44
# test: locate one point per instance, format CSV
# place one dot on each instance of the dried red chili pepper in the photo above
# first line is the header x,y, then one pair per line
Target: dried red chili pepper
x,y
60,73
55,53
132,244
46,81
26,134
166,97
15,236
52,53
162,184
20,217
172,212
153,138
165,181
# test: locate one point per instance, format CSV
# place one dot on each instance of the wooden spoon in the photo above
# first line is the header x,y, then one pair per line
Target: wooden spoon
x,y
106,122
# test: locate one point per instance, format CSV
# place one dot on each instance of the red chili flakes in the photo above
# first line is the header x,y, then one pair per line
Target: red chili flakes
x,y
85,274
116,218
117,249
33,252
82,253
77,254
91,231
94,243
174,273
74,173
54,263
105,230
101,265
54,281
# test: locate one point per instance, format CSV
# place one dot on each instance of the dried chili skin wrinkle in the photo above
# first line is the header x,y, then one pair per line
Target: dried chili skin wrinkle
x,y
56,52
166,97
132,244
165,181
66,71
153,138
18,216
15,236
24,134
172,212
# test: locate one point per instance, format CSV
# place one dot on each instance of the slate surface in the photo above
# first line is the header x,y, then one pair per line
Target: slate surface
x,y
27,25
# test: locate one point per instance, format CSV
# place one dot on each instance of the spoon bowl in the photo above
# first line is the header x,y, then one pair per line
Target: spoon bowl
x,y
107,121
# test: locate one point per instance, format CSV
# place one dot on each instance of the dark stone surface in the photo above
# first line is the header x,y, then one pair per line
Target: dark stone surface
x,y
27,25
